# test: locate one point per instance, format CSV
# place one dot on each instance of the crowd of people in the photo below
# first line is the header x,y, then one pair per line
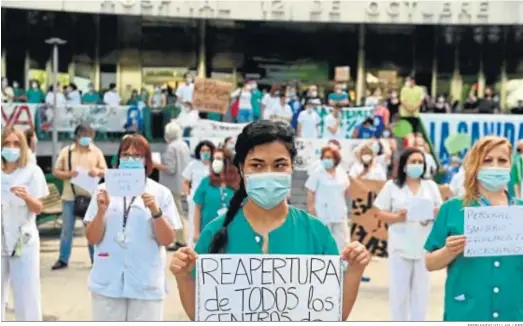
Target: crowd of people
x,y
239,194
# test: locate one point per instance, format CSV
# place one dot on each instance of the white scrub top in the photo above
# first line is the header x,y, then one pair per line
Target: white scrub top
x,y
456,183
18,222
431,166
376,172
330,122
329,194
194,173
309,121
407,238
136,270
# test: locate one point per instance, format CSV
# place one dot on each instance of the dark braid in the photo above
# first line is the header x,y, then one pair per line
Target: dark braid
x,y
254,134
220,239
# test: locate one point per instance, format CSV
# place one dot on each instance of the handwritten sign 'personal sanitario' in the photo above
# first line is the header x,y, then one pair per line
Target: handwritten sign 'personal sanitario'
x,y
494,231
268,288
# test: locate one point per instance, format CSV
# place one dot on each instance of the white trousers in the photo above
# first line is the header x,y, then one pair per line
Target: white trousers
x,y
339,232
190,226
409,287
23,273
122,309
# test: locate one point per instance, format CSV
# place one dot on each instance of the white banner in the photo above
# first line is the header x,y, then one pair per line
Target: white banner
x,y
441,126
352,117
103,118
268,288
20,115
309,150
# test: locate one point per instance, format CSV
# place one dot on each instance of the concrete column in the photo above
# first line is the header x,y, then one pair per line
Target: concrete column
x,y
96,78
361,74
504,77
481,74
202,69
27,67
4,64
434,81
71,69
457,82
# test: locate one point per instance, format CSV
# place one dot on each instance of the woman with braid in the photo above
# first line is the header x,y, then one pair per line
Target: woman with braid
x,y
260,221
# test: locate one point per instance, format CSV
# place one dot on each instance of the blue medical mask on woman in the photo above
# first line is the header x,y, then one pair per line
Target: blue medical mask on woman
x,y
414,171
205,156
327,163
494,178
85,141
131,163
268,189
11,155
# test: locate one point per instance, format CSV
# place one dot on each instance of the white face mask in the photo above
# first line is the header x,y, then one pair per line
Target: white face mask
x,y
4,83
217,166
366,158
421,148
34,85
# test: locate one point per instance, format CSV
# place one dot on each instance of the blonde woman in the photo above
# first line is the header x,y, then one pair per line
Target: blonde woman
x,y
477,288
366,167
23,185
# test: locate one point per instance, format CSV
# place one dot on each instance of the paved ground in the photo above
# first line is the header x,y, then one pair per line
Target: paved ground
x,y
65,295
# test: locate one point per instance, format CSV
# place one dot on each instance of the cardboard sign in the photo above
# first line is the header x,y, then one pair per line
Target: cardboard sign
x,y
342,74
211,95
125,182
366,227
494,231
268,288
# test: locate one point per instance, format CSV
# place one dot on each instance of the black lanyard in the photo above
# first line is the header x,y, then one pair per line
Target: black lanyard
x,y
126,210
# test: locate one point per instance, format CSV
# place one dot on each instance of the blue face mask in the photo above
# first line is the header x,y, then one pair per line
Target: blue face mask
x,y
85,141
327,163
131,163
205,156
268,189
493,178
414,171
11,155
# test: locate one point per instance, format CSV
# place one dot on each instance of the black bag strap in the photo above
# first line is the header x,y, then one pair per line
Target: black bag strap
x,y
71,169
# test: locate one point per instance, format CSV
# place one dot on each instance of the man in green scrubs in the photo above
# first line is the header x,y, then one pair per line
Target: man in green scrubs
x,y
517,171
35,94
19,93
211,200
477,288
91,96
256,99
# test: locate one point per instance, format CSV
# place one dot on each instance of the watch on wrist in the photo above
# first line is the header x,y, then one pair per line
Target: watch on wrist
x,y
159,214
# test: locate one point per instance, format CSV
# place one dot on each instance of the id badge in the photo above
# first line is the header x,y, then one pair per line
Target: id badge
x,y
122,239
222,211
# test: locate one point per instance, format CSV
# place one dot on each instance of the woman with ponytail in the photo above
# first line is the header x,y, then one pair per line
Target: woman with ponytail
x,y
260,221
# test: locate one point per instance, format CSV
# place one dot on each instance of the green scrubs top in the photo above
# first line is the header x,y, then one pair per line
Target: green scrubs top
x,y
35,96
517,171
300,234
211,199
256,98
91,98
477,288
18,92
214,116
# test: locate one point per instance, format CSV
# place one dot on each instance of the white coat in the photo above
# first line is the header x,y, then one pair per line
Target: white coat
x,y
21,243
124,276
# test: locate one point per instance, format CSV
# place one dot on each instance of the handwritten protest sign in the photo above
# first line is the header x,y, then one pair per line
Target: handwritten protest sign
x,y
125,182
18,115
366,227
268,288
494,231
342,74
85,181
211,95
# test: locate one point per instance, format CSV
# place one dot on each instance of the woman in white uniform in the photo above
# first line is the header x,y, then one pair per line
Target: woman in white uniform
x,y
366,167
327,190
193,174
409,279
130,234
23,185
